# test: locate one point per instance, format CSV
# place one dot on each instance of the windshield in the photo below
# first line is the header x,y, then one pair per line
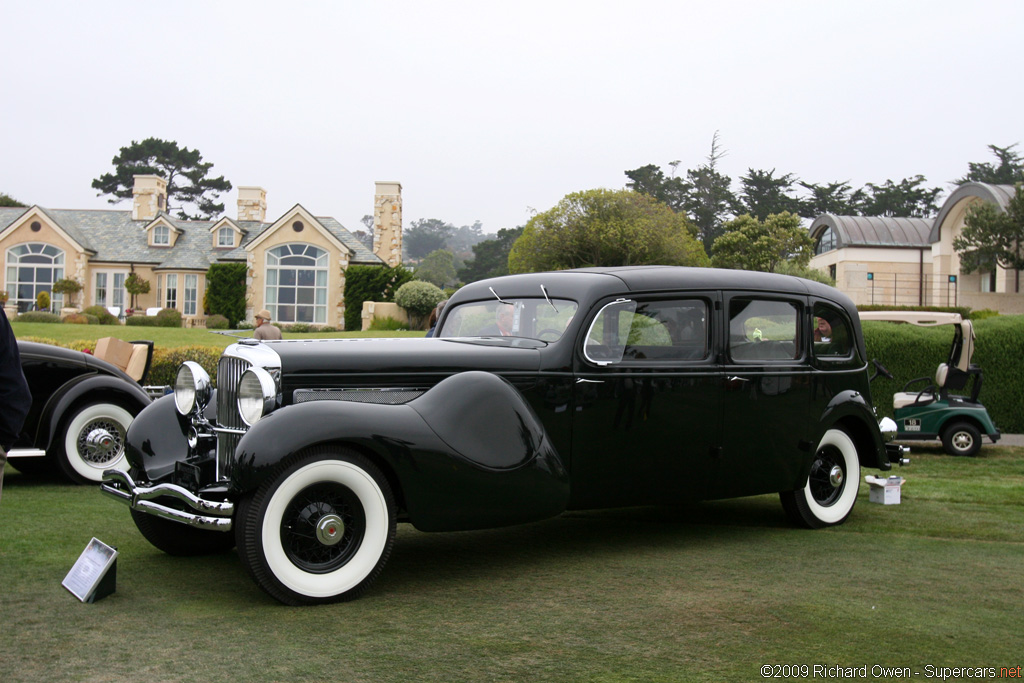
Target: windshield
x,y
531,318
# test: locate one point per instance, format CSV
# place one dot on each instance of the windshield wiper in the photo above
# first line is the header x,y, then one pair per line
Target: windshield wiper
x,y
546,297
507,303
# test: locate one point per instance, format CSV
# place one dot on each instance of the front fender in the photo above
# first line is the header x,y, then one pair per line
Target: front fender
x,y
469,453
99,387
157,439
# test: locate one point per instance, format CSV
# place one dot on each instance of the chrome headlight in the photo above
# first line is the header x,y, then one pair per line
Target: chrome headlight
x,y
191,388
257,395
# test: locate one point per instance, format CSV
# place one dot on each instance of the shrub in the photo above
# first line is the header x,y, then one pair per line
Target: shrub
x,y
983,313
225,291
217,322
419,298
141,321
38,317
166,362
297,327
43,301
101,314
40,340
168,317
76,319
388,323
86,345
370,283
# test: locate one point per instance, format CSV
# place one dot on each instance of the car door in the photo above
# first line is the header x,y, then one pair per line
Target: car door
x,y
768,420
646,401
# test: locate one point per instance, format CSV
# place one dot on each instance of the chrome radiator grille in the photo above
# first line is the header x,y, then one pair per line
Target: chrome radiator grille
x,y
229,372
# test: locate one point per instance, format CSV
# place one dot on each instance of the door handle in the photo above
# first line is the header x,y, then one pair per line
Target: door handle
x,y
739,379
580,380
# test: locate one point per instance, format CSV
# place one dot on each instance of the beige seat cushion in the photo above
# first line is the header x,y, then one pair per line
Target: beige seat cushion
x,y
903,399
137,362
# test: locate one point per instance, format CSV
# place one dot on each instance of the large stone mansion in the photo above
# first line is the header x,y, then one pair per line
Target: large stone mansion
x,y
295,264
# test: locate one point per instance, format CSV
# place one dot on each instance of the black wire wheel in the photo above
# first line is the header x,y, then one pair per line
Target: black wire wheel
x,y
832,484
320,531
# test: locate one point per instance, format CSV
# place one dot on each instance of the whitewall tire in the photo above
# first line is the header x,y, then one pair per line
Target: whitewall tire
x,y
319,531
93,440
830,493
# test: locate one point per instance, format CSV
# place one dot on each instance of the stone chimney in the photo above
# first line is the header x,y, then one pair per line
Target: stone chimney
x,y
387,222
252,204
149,197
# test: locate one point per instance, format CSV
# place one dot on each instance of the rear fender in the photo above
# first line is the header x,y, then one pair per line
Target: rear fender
x,y
851,411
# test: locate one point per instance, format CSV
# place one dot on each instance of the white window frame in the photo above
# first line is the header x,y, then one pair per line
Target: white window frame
x,y
295,292
161,236
14,266
170,290
190,294
227,233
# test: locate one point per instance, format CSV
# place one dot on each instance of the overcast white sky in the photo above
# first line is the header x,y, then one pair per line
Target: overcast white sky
x,y
489,110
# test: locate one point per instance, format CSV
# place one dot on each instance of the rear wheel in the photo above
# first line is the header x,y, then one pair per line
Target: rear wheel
x,y
320,531
831,490
961,438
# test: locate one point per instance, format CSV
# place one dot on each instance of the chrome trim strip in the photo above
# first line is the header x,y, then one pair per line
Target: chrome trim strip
x,y
25,453
120,486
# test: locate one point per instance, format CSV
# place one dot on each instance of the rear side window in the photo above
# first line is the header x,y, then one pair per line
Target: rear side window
x,y
763,330
662,330
832,336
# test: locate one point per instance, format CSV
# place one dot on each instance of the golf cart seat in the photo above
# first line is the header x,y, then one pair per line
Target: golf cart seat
x,y
953,374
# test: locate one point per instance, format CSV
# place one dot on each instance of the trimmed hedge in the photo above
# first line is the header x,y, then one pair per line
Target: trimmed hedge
x,y
370,283
166,362
38,317
225,291
910,352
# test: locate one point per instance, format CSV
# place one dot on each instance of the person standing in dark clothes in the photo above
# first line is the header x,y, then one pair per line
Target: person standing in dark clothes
x,y
15,398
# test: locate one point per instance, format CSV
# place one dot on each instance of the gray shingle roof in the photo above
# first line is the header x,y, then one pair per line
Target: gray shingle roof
x,y
112,236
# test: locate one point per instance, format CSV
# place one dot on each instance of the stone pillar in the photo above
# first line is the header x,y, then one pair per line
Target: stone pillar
x,y
387,222
149,197
252,204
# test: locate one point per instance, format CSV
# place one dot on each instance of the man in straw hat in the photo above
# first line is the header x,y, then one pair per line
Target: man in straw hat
x,y
265,330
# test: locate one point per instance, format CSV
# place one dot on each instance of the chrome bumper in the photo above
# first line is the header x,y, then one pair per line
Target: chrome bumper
x,y
213,515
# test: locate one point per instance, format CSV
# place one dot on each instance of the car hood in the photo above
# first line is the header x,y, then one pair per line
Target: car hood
x,y
318,360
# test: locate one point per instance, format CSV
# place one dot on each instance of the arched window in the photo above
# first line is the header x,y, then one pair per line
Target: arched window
x,y
297,283
826,242
33,268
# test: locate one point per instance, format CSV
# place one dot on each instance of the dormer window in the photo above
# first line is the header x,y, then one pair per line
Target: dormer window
x,y
225,237
162,236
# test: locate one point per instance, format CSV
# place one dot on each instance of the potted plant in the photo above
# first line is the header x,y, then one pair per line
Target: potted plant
x,y
69,288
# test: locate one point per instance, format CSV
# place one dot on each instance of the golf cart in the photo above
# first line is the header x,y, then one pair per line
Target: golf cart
x,y
929,411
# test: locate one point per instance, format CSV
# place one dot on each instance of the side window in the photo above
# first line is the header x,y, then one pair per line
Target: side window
x,y
832,337
762,330
662,330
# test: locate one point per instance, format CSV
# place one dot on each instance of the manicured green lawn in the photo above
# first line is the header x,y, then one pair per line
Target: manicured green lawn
x,y
167,337
708,592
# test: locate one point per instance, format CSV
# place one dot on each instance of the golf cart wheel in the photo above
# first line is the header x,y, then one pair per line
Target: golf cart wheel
x,y
961,438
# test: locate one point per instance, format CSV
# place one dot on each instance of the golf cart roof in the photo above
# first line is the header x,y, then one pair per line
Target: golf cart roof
x,y
922,318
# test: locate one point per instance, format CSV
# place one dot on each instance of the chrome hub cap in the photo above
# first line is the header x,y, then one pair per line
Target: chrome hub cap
x,y
330,530
100,444
835,477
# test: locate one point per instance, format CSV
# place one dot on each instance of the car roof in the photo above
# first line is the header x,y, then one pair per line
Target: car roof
x,y
596,281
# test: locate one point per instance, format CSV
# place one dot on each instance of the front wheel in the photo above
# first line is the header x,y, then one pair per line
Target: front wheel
x,y
831,489
961,438
320,531
93,440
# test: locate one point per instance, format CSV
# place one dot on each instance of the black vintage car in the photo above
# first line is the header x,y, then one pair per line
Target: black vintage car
x,y
542,393
81,408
